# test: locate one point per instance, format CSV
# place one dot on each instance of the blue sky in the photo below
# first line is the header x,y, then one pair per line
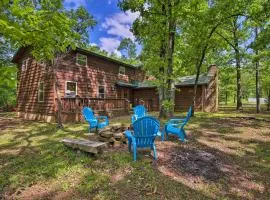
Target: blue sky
x,y
112,24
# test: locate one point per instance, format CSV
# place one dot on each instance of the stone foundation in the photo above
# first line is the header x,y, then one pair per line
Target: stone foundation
x,y
36,117
77,117
69,117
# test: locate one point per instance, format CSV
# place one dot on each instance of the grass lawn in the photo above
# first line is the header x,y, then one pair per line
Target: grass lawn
x,y
227,157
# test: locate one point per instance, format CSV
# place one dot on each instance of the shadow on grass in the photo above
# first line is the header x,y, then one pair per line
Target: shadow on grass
x,y
34,164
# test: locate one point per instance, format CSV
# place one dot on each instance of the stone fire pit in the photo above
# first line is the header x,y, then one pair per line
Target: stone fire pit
x,y
113,135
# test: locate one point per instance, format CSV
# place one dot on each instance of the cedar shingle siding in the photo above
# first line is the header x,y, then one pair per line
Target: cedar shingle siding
x,y
120,89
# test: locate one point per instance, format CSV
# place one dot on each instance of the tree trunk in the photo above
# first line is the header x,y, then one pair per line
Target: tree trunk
x,y
198,66
58,98
238,81
238,66
258,107
226,97
162,112
170,51
268,101
198,70
257,64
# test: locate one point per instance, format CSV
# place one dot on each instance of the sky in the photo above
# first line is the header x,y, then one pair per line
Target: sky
x,y
113,25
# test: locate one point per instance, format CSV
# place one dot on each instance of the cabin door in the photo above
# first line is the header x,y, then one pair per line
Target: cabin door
x,y
124,93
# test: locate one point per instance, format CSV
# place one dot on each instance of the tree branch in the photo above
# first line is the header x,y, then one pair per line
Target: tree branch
x,y
227,40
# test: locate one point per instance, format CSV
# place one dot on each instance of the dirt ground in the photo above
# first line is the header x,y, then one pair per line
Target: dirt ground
x,y
226,157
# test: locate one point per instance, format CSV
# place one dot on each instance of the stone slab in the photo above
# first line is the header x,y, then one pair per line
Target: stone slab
x,y
85,145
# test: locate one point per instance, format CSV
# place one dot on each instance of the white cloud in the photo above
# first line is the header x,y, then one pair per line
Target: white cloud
x,y
118,53
92,44
109,44
119,24
109,2
74,4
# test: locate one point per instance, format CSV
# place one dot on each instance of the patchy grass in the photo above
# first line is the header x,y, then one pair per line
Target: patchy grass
x,y
227,157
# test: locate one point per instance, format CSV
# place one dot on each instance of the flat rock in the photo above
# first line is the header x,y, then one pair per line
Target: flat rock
x,y
117,144
103,139
118,136
85,145
106,134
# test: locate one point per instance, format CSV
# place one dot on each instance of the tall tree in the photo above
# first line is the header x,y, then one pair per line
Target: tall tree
x,y
82,22
232,32
257,64
258,20
198,27
128,47
158,45
226,85
8,75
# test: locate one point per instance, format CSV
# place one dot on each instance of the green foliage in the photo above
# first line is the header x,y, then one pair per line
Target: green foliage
x,y
265,79
168,105
82,22
6,52
41,24
8,83
197,45
8,76
128,47
149,31
227,87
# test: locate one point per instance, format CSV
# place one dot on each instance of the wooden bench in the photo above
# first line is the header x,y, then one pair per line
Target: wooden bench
x,y
85,145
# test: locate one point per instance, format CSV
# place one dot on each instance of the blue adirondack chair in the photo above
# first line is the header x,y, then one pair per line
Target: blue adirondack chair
x,y
144,132
139,111
176,126
94,121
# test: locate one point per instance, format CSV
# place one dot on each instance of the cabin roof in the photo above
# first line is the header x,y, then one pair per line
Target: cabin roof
x,y
22,50
106,58
135,85
190,80
125,84
181,82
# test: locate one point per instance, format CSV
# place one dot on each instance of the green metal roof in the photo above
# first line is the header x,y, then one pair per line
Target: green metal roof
x,y
108,58
190,80
182,81
124,84
145,85
135,85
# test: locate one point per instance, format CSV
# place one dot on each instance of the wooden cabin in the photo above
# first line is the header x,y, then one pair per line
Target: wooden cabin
x,y
109,86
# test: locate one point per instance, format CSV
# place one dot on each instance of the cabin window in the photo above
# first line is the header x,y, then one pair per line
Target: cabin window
x,y
24,64
122,70
71,89
81,59
101,91
41,92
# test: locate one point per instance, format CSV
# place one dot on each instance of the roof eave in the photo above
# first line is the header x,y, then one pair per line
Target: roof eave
x,y
105,57
149,87
182,85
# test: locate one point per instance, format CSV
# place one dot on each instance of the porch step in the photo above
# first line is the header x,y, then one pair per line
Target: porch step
x,y
85,145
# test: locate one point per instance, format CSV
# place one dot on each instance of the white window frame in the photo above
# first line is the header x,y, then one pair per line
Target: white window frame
x,y
100,85
120,70
78,59
24,64
41,90
71,82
